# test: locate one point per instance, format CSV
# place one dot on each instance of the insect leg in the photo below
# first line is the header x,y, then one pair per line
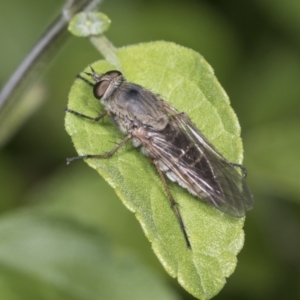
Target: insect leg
x,y
85,80
173,204
243,169
85,116
105,155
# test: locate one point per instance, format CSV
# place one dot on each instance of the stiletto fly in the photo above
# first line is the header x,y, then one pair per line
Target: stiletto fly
x,y
173,144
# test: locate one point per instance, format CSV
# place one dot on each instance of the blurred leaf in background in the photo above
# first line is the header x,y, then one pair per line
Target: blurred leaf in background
x,y
254,49
61,259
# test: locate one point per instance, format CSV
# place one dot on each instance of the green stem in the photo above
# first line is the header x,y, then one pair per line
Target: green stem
x,y
107,49
43,50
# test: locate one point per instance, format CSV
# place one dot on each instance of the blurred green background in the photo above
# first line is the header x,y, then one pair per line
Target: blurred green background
x,y
57,220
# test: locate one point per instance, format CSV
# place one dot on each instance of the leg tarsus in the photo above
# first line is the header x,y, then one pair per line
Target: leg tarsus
x,y
70,159
76,113
105,155
174,205
244,170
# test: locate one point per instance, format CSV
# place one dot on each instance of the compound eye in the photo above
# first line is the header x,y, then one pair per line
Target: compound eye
x,y
100,88
113,73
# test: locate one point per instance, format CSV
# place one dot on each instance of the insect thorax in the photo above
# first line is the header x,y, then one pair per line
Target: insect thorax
x,y
133,106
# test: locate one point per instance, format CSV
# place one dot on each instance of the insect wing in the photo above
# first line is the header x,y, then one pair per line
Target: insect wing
x,y
203,171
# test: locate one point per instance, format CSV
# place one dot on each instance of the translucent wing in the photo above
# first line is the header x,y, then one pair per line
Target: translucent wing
x,y
188,158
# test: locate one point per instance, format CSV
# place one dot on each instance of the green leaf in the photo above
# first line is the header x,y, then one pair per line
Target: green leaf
x,y
184,79
86,24
63,192
44,257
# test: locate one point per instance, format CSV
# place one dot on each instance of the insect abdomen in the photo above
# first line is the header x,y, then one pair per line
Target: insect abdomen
x,y
183,162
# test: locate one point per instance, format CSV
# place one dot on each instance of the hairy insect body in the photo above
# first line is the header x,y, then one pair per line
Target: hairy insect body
x,y
133,106
138,111
175,146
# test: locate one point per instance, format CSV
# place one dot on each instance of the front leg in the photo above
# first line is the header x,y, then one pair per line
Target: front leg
x,y
105,155
76,113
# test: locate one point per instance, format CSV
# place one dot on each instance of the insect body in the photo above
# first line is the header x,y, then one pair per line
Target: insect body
x,y
173,144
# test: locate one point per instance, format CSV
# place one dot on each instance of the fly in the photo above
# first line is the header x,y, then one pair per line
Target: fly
x,y
173,144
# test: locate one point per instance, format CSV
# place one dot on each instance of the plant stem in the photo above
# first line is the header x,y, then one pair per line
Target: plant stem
x,y
106,48
42,50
